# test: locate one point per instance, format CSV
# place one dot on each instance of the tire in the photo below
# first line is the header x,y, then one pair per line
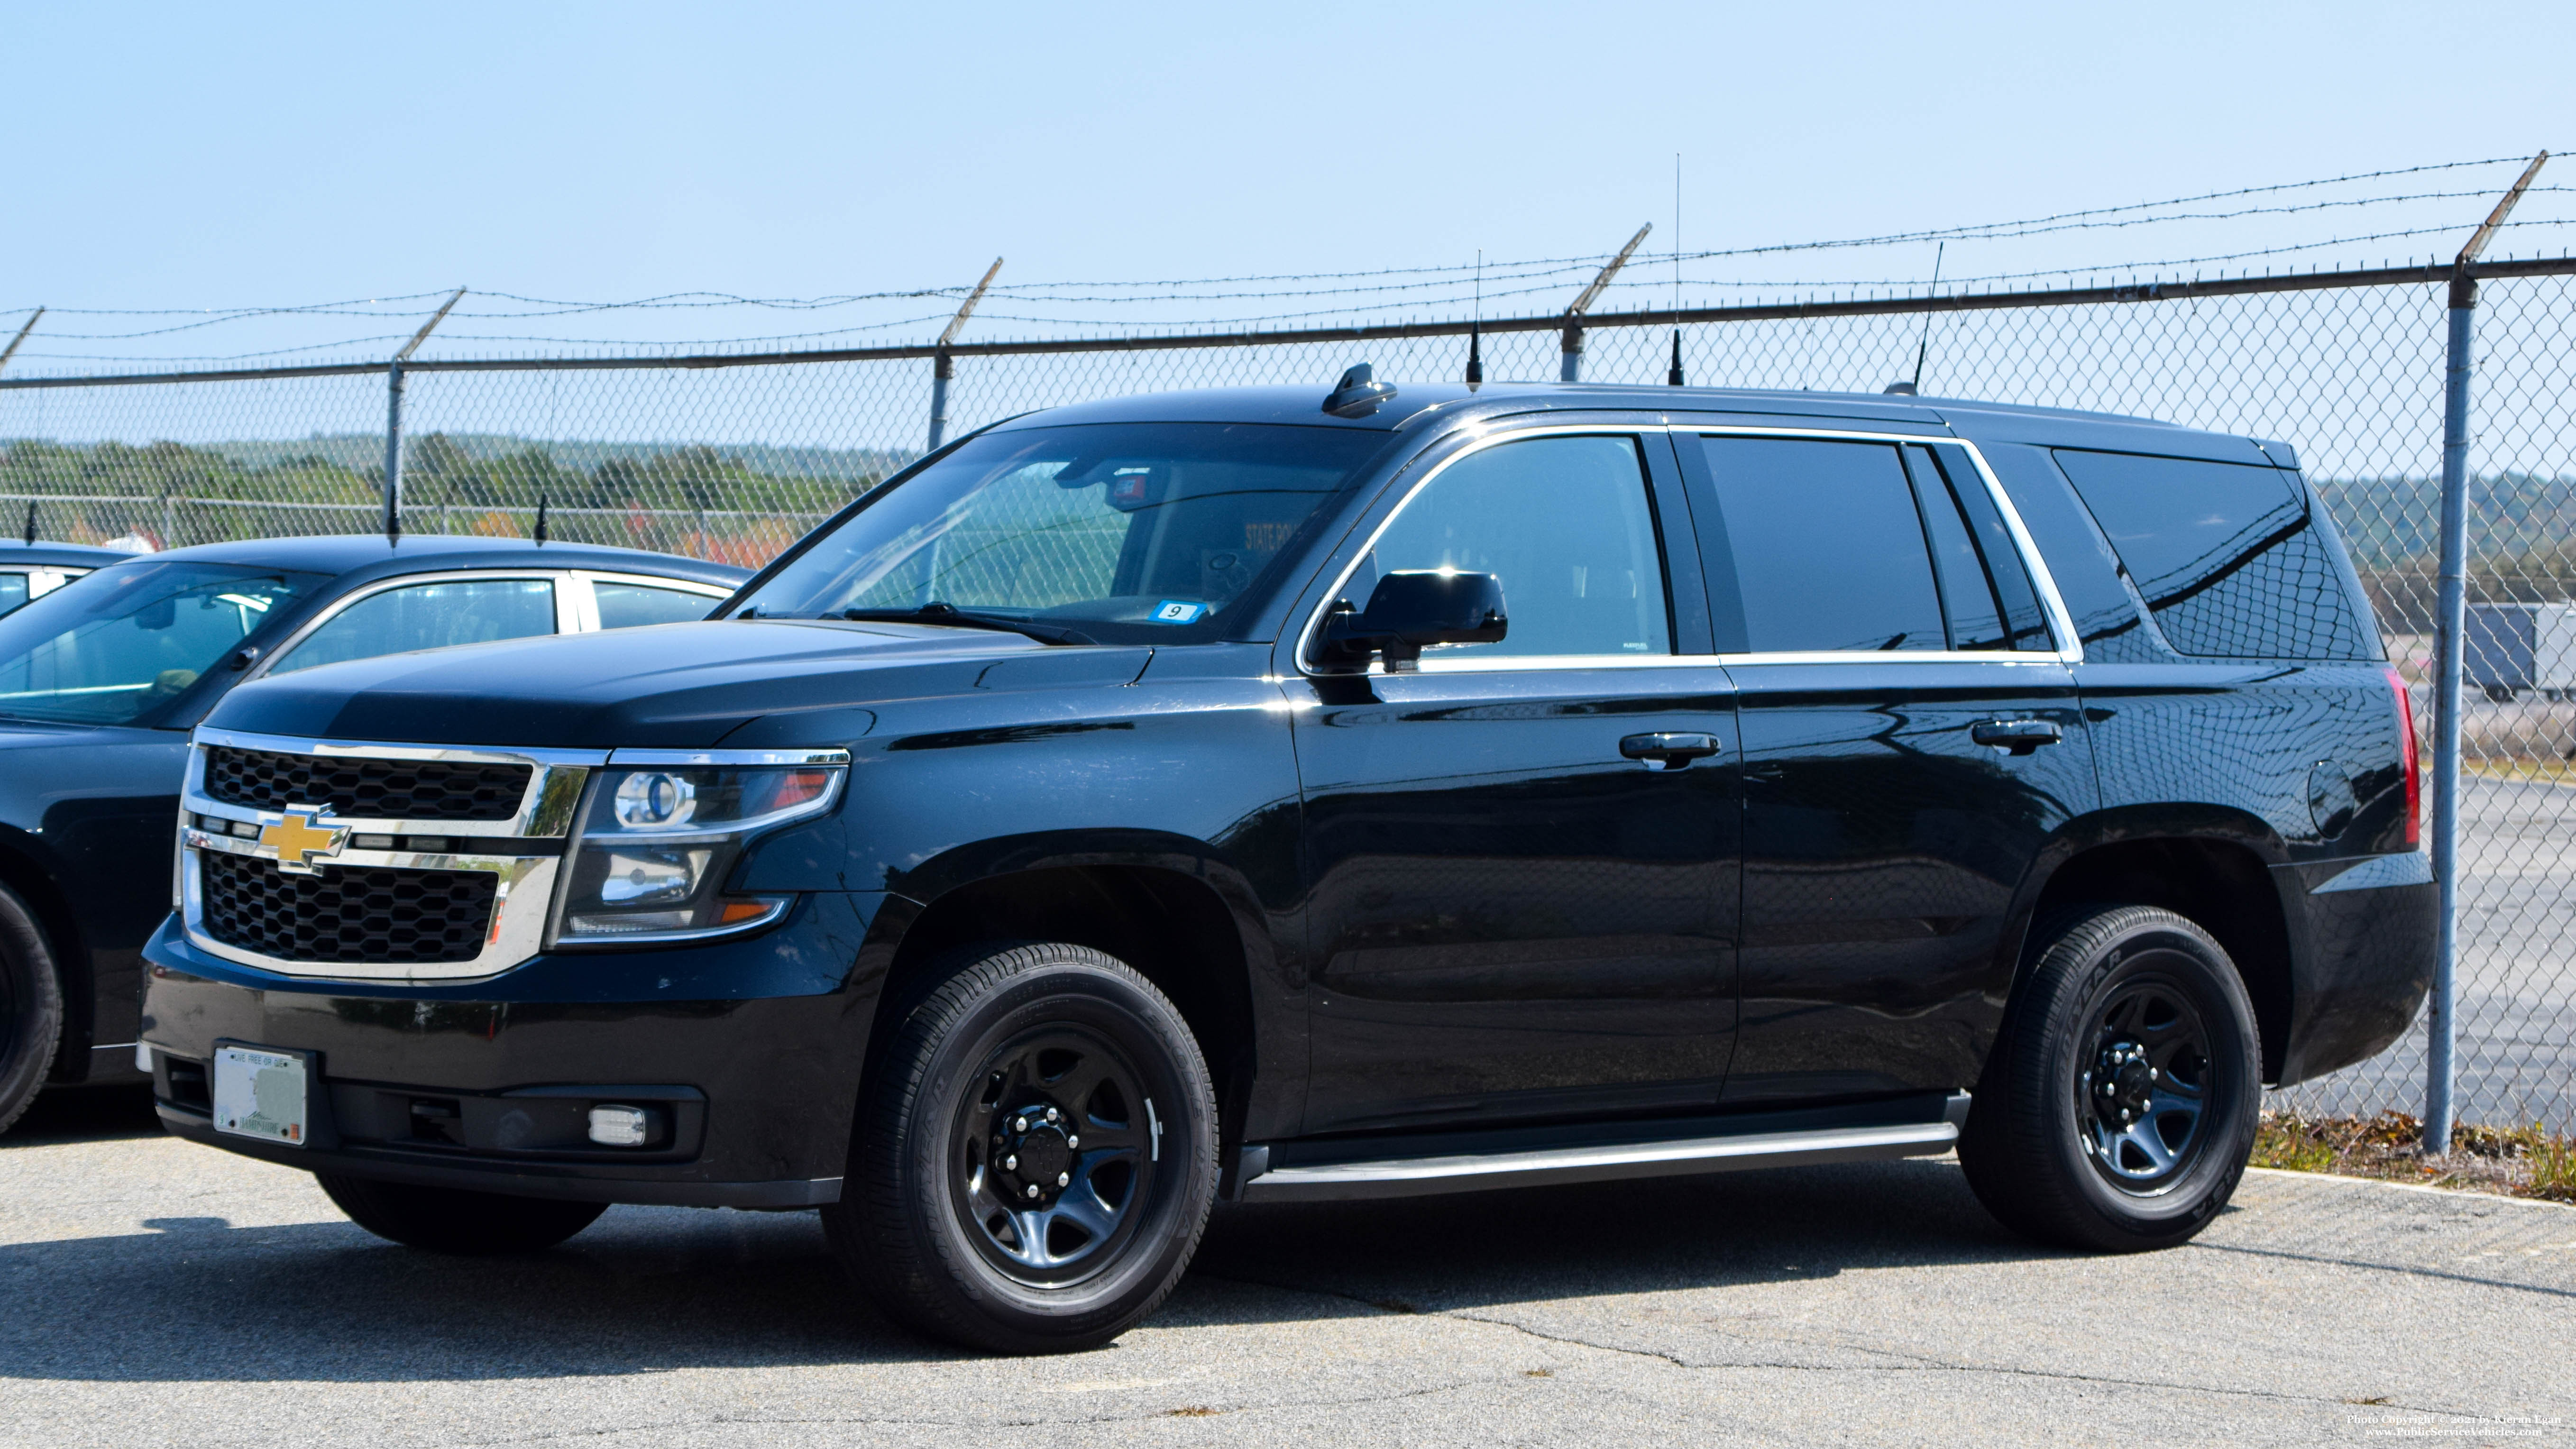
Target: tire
x,y
971,1215
31,1008
2129,1010
454,1220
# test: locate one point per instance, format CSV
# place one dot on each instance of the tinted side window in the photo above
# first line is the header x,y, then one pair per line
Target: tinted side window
x,y
429,616
624,606
1827,549
2224,555
13,591
1564,523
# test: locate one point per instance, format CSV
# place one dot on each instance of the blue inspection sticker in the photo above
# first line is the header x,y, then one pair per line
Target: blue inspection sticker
x,y
1177,611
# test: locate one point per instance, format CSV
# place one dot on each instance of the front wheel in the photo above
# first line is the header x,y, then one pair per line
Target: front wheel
x,y
2120,1105
31,1007
454,1220
1035,1155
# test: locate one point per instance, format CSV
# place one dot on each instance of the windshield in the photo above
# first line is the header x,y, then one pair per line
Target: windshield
x,y
119,644
1124,532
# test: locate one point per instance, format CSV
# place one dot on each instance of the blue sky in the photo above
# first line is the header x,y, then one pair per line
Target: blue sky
x,y
163,156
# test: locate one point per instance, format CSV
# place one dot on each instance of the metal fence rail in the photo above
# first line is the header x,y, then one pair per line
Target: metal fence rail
x,y
732,456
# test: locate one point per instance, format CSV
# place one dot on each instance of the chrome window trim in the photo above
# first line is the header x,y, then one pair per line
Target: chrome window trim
x,y
565,615
2061,623
522,899
555,782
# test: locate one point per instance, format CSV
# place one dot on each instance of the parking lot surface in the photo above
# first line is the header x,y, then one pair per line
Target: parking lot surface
x,y
164,1293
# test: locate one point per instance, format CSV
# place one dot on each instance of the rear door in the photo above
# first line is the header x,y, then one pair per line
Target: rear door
x,y
1513,915
1911,737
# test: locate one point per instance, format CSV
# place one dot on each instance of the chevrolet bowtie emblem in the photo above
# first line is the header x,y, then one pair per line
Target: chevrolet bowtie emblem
x,y
296,840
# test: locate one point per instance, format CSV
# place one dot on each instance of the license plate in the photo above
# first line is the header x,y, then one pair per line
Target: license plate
x,y
260,1092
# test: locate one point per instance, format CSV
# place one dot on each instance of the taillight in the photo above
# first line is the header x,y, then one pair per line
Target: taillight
x,y
2414,770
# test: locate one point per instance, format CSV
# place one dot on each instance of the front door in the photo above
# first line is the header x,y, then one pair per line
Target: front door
x,y
1520,857
1911,739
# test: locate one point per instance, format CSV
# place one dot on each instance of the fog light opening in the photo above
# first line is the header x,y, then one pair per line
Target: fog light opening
x,y
616,1125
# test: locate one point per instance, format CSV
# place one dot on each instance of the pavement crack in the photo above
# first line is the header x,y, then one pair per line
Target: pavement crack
x,y
2471,1279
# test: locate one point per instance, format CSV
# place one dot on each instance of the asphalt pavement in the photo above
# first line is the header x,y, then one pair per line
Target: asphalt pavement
x,y
164,1293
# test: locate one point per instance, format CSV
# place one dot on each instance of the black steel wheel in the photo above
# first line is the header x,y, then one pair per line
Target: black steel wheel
x,y
1034,1156
1054,1155
2119,1106
2142,1102
31,1008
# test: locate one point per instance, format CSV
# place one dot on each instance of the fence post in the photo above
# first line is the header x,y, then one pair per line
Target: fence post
x,y
393,448
2441,1021
1569,366
942,367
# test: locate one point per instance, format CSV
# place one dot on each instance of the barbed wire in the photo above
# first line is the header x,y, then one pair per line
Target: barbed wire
x,y
1361,294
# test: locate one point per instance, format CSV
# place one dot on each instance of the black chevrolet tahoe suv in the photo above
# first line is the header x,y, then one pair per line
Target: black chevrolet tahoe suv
x,y
1277,795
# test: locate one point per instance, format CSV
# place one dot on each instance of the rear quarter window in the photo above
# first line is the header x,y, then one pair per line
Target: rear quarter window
x,y
2224,554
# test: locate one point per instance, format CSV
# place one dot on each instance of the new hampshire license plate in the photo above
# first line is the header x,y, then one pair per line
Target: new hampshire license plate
x,y
260,1092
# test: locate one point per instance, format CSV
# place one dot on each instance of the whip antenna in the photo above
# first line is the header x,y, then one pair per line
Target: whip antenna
x,y
1673,374
1476,329
1925,345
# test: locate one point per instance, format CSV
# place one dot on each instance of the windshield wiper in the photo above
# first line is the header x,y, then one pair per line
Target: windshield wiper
x,y
949,614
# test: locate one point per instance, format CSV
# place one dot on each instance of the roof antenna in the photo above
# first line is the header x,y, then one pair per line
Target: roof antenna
x,y
541,520
1476,329
1358,394
1673,374
31,523
1916,385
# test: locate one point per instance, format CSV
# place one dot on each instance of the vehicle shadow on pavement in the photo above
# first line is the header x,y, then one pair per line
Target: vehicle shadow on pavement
x,y
1599,1239
85,1114
643,1290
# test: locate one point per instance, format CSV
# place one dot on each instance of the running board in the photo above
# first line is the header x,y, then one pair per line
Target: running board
x,y
1572,1162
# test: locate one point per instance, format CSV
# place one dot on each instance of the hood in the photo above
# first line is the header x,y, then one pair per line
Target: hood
x,y
672,686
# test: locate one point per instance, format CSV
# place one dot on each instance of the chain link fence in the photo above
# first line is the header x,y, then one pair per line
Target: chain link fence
x,y
732,457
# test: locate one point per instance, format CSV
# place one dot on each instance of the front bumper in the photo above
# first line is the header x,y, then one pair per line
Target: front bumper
x,y
751,1050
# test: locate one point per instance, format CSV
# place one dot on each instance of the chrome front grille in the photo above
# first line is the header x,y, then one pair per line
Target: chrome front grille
x,y
345,914
403,862
381,789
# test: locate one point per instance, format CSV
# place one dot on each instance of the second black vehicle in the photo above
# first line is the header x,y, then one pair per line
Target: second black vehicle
x,y
103,673
1283,796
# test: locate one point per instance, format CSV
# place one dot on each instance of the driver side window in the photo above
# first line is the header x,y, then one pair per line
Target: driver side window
x,y
1564,523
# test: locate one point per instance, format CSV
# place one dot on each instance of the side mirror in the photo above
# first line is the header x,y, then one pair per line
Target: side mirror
x,y
1410,611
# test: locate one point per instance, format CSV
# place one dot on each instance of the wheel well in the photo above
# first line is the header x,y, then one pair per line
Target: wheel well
x,y
1175,930
2222,887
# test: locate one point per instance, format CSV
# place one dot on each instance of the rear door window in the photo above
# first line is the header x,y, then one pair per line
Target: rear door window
x,y
429,615
1825,546
625,606
2224,555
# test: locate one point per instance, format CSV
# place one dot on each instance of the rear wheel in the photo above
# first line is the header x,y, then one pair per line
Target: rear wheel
x,y
1035,1155
2120,1105
454,1220
31,1008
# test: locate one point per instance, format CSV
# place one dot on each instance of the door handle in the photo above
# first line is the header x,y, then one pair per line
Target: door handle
x,y
2021,736
1669,751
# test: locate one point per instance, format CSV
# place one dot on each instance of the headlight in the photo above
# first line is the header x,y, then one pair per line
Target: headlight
x,y
663,829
